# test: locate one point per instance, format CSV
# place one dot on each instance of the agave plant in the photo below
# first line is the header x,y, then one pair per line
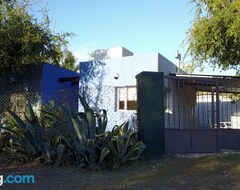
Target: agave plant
x,y
32,140
90,143
81,136
121,146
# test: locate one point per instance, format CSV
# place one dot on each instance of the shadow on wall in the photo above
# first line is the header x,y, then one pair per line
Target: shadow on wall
x,y
91,81
101,94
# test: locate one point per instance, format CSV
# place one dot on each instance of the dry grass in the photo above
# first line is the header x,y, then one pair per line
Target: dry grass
x,y
209,172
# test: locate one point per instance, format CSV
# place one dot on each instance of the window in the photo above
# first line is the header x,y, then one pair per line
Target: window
x,y
127,98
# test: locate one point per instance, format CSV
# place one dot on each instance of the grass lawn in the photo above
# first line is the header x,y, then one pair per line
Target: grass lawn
x,y
220,171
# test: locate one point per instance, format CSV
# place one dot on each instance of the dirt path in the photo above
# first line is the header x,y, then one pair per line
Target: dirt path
x,y
210,172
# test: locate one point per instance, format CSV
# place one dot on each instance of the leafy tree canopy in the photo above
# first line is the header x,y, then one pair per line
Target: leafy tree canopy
x,y
25,39
69,61
99,54
215,36
189,67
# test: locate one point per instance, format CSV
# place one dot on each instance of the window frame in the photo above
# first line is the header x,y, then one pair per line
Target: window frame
x,y
126,99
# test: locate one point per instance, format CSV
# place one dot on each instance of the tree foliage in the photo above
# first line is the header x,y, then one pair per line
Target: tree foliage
x,y
25,39
215,36
69,61
189,67
99,54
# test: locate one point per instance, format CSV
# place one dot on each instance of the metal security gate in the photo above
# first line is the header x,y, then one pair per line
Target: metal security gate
x,y
188,113
202,113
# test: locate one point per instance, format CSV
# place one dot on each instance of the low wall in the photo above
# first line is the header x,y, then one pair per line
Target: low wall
x,y
201,140
191,140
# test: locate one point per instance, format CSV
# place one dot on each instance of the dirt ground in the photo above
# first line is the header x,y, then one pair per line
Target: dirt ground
x,y
220,171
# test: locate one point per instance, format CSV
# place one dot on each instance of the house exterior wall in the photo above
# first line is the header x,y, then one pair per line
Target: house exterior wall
x,y
29,80
53,89
38,84
118,52
166,66
20,88
101,79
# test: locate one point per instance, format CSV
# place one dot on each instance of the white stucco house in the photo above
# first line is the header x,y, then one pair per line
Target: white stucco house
x,y
111,83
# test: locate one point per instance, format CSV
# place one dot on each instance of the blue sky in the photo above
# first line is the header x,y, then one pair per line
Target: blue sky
x,y
139,25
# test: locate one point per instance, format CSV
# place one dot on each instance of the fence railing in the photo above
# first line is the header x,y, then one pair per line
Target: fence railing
x,y
106,97
201,103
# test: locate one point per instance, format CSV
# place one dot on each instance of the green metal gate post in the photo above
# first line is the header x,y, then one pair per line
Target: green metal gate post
x,y
150,112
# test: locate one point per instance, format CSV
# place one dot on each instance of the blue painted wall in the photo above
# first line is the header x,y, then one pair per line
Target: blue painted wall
x,y
40,83
52,89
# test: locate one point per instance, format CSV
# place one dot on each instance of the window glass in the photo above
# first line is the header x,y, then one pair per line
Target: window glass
x,y
121,105
131,105
132,93
127,98
122,94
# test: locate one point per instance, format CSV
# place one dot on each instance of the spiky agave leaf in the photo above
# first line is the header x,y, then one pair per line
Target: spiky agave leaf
x,y
60,150
102,121
105,151
17,119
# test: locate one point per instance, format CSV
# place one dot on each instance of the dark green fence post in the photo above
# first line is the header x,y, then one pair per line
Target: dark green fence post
x,y
151,112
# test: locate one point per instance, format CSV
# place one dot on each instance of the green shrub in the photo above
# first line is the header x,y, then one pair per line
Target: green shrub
x,y
120,146
69,137
32,140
